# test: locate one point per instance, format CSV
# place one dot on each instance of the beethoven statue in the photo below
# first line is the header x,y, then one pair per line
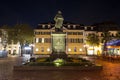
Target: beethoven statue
x,y
58,20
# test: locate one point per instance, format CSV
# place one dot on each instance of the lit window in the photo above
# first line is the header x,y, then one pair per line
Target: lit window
x,y
74,26
43,26
91,28
0,40
37,40
69,49
80,33
42,40
36,49
49,26
85,28
68,26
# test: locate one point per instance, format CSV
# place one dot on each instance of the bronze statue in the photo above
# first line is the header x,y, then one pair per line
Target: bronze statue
x,y
58,20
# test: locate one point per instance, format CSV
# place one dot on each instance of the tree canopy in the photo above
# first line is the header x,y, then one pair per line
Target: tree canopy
x,y
92,39
22,33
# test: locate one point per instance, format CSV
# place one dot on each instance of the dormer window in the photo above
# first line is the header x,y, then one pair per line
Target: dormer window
x,y
112,35
91,28
68,26
43,26
85,28
74,26
49,26
0,40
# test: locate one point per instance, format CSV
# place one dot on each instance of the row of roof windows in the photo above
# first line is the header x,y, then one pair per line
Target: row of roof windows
x,y
44,26
49,26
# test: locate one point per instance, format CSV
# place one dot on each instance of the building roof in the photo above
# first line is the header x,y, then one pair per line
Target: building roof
x,y
67,25
99,27
106,26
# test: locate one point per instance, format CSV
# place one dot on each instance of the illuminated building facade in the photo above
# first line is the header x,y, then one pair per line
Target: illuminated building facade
x,y
70,41
75,38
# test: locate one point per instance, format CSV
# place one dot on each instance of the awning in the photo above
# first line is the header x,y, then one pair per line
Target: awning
x,y
113,43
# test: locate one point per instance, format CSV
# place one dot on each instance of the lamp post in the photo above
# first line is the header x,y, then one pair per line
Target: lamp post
x,y
85,46
31,45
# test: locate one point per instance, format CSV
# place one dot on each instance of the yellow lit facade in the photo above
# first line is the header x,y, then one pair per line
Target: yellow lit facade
x,y
74,39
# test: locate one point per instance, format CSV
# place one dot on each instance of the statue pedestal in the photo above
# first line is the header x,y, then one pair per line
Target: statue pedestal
x,y
61,55
58,30
58,45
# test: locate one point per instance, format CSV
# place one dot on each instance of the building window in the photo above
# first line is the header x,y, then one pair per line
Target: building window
x,y
43,33
37,40
47,40
48,33
80,33
69,33
49,26
43,26
112,35
85,28
74,33
36,33
101,34
80,40
68,26
43,40
72,40
91,28
74,26
0,40
40,40
75,41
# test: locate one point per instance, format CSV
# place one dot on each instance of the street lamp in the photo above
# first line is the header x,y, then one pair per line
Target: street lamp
x,y
31,45
86,46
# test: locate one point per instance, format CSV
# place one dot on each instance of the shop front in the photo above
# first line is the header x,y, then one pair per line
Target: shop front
x,y
113,47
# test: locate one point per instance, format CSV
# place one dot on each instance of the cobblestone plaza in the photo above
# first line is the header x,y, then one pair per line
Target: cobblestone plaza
x,y
111,71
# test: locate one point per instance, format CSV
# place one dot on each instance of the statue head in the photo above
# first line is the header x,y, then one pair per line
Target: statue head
x,y
59,12
58,15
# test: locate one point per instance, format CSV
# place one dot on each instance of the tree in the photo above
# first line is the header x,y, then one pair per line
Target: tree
x,y
21,33
105,27
118,35
92,40
106,38
24,33
4,35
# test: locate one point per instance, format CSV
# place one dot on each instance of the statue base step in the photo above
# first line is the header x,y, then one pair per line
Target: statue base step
x,y
61,55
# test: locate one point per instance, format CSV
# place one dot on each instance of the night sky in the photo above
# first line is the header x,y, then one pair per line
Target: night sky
x,y
34,12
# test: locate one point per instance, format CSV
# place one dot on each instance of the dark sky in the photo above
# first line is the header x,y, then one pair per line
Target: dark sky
x,y
34,12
